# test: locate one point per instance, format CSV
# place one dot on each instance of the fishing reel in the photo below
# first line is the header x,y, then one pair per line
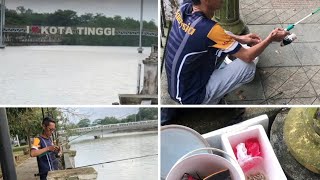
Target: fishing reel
x,y
288,39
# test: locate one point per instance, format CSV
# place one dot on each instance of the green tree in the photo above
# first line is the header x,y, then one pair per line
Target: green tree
x,y
109,120
130,118
84,123
26,122
147,114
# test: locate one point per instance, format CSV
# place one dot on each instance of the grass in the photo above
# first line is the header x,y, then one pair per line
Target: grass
x,y
17,149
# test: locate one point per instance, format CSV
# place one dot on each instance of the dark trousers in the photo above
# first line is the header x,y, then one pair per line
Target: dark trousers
x,y
43,176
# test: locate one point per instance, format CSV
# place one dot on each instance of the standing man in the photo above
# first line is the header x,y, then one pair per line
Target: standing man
x,y
196,47
44,149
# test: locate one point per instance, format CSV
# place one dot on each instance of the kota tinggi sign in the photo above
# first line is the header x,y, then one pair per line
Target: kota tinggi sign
x,y
62,30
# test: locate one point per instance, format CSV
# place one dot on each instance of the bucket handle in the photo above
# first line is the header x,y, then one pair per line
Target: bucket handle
x,y
237,166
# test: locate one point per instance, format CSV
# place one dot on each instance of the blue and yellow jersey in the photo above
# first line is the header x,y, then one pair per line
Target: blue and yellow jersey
x,y
46,161
195,43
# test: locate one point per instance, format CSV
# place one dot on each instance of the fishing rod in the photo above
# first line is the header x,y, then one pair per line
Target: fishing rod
x,y
291,26
290,38
126,159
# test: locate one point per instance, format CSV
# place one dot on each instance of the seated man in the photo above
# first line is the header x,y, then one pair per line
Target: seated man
x,y
44,149
195,47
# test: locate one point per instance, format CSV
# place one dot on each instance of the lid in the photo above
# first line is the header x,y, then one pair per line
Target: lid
x,y
177,141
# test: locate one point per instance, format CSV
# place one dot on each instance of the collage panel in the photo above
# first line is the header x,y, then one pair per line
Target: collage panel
x,y
240,52
101,52
82,143
240,143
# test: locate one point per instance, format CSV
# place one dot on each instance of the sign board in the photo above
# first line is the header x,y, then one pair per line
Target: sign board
x,y
62,30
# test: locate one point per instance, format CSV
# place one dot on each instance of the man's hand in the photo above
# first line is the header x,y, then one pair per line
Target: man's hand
x,y
278,34
250,39
53,148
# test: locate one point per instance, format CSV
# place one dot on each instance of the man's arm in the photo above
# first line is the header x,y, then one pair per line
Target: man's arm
x,y
250,39
35,151
248,55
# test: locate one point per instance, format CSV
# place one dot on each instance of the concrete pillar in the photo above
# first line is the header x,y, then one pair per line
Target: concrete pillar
x,y
140,49
68,156
228,17
7,161
150,80
2,23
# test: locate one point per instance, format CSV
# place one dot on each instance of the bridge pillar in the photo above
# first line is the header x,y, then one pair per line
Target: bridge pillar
x,y
140,49
2,23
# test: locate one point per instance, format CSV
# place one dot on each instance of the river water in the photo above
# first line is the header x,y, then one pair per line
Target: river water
x,y
75,75
116,147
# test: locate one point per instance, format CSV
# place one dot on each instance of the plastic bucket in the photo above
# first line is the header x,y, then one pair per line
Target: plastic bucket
x,y
205,164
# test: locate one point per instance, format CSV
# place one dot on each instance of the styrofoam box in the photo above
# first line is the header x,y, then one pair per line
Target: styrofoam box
x,y
270,163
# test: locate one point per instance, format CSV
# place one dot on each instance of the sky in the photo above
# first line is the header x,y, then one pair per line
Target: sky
x,y
98,112
124,8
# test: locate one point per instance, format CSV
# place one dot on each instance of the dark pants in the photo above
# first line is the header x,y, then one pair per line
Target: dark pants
x,y
43,176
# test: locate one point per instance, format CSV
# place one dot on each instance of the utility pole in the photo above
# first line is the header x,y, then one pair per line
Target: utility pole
x,y
2,23
7,162
140,49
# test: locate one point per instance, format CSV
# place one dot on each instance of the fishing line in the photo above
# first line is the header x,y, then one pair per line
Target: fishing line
x,y
107,162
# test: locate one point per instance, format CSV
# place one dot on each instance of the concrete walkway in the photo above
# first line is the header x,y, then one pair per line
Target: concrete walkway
x,y
27,169
285,75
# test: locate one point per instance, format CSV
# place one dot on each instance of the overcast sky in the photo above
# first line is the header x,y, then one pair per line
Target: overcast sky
x,y
124,8
98,113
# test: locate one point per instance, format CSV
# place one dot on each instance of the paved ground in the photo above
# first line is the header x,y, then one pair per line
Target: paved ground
x,y
27,169
285,75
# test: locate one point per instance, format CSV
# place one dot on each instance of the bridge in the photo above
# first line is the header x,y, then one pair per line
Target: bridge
x,y
100,129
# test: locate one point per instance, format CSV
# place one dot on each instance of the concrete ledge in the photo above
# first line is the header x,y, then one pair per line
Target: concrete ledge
x,y
131,99
87,173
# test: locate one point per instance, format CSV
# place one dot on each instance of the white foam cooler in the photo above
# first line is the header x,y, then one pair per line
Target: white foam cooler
x,y
270,163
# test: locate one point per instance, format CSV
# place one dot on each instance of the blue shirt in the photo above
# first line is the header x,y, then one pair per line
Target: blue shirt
x,y
46,161
194,45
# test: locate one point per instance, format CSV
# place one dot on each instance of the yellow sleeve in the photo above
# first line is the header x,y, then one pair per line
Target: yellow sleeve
x,y
221,38
36,144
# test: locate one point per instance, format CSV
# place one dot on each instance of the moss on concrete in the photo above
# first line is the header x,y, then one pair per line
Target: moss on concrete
x,y
300,137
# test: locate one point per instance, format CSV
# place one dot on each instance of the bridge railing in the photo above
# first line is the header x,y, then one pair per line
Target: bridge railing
x,y
109,126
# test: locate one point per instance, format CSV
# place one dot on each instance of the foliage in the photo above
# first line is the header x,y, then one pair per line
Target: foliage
x,y
26,122
142,115
22,17
84,123
147,114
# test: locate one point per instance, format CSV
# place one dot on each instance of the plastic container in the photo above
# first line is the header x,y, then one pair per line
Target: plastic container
x,y
270,165
176,141
205,164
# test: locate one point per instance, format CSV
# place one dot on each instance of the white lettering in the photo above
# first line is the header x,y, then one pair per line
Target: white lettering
x,y
91,31
69,30
113,31
61,29
80,29
99,31
107,31
53,30
44,30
